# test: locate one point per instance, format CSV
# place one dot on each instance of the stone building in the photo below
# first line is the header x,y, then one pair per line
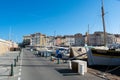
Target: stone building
x,y
79,39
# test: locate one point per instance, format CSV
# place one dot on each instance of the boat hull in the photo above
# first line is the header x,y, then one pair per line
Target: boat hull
x,y
103,57
99,60
106,57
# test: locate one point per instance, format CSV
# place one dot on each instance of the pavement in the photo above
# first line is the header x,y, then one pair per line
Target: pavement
x,y
33,67
5,65
41,68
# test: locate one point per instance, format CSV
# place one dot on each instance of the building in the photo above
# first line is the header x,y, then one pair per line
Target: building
x,y
117,38
33,40
50,41
38,39
97,39
6,45
68,40
91,39
58,40
111,38
27,38
79,39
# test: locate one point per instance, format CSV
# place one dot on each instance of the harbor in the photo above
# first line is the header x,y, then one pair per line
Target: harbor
x,y
59,40
103,71
58,71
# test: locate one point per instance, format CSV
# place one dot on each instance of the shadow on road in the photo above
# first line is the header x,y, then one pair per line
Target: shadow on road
x,y
39,65
67,72
4,75
32,59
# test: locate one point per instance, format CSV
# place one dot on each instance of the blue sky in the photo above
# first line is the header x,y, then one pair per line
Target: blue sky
x,y
64,17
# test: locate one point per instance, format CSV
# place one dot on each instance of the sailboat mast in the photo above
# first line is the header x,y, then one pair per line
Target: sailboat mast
x,y
88,35
103,21
9,33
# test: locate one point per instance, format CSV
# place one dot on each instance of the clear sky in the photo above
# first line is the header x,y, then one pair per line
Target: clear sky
x,y
22,17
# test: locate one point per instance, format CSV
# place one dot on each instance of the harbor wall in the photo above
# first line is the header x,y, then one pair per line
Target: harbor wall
x,y
6,45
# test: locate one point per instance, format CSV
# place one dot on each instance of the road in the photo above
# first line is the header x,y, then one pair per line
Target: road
x,y
40,68
35,68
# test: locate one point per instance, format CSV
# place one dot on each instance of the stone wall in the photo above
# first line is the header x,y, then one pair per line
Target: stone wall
x,y
6,45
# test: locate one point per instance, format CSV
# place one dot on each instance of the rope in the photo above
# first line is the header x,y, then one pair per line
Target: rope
x,y
76,56
107,71
113,69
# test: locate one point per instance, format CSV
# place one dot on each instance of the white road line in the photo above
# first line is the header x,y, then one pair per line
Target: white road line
x,y
16,75
4,68
21,61
19,78
21,57
19,73
3,78
20,69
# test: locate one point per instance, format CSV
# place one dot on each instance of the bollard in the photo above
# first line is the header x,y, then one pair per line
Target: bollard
x,y
14,62
46,54
51,58
17,59
58,61
11,73
69,64
19,54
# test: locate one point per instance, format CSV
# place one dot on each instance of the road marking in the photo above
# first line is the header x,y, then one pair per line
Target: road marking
x,y
16,75
3,78
21,61
20,69
19,73
19,78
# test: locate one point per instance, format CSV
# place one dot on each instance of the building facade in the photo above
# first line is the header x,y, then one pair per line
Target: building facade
x,y
97,39
117,38
79,40
50,41
58,40
37,39
69,40
6,45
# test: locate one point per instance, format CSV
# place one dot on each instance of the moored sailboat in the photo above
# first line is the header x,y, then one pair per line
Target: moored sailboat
x,y
103,55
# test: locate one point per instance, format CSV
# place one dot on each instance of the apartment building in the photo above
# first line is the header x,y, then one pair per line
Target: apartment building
x,y
79,39
27,38
38,39
68,40
58,41
50,41
97,39
117,38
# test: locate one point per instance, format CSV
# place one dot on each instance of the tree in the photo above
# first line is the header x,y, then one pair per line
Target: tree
x,y
26,42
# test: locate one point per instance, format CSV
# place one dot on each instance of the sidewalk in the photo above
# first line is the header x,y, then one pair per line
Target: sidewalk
x,y
5,65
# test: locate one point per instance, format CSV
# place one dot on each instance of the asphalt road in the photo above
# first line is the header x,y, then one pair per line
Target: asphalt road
x,y
39,68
